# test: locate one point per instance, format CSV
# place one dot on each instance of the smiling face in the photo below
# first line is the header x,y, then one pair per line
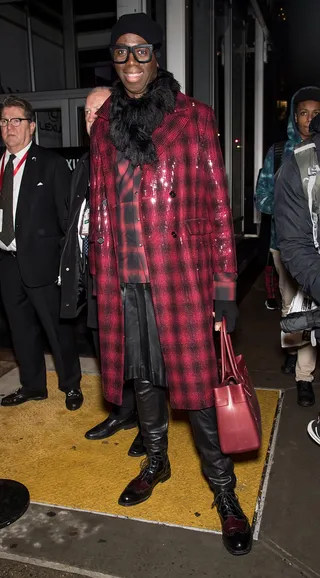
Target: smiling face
x,y
305,112
16,138
134,75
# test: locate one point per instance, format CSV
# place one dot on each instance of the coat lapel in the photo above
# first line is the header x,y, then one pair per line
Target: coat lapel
x,y
107,153
163,137
173,124
28,187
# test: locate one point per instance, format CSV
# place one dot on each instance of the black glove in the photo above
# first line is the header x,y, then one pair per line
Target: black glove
x,y
229,310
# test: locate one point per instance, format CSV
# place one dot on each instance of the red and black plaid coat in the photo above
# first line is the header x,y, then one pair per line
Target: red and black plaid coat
x,y
188,236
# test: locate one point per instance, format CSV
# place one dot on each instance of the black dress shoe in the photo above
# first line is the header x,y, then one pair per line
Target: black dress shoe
x,y
22,396
137,448
305,393
154,469
289,365
74,399
110,426
236,531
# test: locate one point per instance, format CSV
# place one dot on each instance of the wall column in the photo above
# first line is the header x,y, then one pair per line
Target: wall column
x,y
258,100
228,101
69,42
176,44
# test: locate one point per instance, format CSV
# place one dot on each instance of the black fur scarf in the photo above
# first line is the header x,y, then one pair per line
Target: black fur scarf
x,y
133,120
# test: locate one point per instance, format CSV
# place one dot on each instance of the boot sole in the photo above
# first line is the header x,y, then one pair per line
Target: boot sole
x,y
103,437
164,479
236,553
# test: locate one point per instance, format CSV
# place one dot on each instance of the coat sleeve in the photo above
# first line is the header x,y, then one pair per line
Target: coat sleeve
x,y
62,189
222,236
294,230
264,196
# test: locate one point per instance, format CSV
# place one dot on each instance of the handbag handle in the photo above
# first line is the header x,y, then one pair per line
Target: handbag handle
x,y
227,352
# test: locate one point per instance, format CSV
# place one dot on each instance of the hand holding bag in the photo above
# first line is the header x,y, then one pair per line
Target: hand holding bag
x,y
236,402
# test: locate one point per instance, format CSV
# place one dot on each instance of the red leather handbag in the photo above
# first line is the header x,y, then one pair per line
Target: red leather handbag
x,y
237,406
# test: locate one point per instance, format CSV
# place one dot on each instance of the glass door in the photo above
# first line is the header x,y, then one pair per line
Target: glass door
x,y
52,123
238,123
78,132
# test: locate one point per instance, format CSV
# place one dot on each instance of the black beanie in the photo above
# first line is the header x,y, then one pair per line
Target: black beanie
x,y
141,25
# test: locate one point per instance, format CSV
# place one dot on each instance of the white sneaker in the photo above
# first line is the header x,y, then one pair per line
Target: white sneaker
x,y
313,429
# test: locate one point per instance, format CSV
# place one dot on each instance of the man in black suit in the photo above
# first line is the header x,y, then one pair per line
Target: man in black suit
x,y
76,281
35,188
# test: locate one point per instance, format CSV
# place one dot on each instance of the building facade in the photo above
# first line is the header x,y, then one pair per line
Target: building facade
x,y
217,50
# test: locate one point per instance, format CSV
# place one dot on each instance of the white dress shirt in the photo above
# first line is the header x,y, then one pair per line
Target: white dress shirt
x,y
16,188
80,220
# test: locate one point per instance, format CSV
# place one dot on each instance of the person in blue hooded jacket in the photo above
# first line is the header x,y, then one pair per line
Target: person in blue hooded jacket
x,y
305,105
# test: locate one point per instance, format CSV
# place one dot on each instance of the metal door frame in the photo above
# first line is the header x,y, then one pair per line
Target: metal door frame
x,y
74,104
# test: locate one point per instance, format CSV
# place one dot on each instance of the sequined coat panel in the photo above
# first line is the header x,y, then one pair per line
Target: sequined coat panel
x,y
189,244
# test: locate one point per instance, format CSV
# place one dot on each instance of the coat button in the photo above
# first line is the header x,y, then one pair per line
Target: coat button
x,y
100,240
104,203
172,194
174,234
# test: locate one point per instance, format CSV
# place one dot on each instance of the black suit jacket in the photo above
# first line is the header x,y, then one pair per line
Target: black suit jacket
x,y
41,216
73,286
76,285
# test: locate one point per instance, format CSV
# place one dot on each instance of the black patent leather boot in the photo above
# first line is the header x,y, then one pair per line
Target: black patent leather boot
x,y
154,469
236,531
153,418
218,469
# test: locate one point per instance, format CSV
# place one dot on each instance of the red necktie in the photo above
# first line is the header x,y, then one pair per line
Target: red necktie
x,y
6,203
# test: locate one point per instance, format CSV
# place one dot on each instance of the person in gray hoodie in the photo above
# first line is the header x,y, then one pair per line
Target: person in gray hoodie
x,y
305,105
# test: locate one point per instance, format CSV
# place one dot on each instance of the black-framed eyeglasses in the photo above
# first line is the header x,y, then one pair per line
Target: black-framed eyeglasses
x,y
14,121
142,53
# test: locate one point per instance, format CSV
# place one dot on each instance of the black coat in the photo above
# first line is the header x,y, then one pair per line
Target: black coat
x,y
76,288
41,216
294,227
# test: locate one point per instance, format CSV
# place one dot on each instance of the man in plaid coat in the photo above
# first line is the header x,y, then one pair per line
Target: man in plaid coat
x,y
163,258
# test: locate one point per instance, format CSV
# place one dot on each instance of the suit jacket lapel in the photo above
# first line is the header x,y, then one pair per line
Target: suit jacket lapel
x,y
28,186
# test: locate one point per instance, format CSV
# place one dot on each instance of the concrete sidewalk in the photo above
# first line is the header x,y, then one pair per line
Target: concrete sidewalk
x,y
9,382
53,543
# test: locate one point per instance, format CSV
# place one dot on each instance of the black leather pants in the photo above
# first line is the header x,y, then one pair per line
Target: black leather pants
x,y
217,467
153,416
